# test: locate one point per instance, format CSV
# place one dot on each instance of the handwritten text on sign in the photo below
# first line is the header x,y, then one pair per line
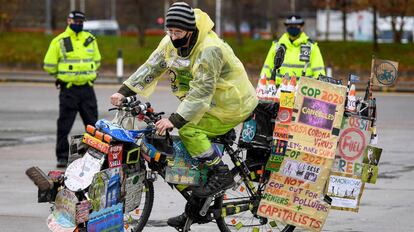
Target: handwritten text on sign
x,y
317,118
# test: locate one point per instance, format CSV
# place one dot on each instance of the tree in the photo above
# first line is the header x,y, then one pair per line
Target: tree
x,y
237,20
8,9
140,14
397,9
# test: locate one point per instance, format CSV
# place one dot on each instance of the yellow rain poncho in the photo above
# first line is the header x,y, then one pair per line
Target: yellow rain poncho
x,y
211,79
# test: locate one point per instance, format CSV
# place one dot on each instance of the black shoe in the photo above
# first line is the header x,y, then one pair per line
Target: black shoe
x,y
177,221
62,163
219,179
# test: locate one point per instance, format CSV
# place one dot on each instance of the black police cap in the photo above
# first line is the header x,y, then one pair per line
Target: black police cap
x,y
294,20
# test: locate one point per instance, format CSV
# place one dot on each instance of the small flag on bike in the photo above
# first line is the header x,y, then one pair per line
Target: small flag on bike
x,y
384,72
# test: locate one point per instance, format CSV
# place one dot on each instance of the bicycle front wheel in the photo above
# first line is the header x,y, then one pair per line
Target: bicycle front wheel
x,y
136,219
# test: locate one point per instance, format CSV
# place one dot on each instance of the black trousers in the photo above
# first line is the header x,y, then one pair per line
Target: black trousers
x,y
72,100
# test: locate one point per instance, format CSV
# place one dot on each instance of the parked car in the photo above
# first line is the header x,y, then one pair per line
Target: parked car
x,y
102,27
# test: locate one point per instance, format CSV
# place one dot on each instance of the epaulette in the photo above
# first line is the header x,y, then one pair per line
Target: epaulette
x,y
89,40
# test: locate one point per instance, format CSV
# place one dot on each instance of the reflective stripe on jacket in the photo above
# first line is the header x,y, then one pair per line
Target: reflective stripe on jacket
x,y
292,65
73,58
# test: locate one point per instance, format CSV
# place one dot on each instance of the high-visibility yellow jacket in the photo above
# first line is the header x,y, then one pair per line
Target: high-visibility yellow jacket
x,y
73,58
292,65
211,79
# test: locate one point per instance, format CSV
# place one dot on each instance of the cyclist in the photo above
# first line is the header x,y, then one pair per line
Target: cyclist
x,y
211,83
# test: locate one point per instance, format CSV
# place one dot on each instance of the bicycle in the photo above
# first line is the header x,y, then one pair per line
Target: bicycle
x,y
144,156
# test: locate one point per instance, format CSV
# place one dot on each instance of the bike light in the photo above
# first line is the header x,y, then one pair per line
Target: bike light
x,y
90,129
107,138
99,135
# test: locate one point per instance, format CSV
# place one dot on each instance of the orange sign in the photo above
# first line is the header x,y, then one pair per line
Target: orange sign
x,y
95,143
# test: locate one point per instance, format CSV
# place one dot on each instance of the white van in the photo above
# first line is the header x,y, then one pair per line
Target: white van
x,y
102,27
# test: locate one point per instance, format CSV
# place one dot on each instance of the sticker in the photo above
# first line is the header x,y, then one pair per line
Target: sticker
x,y
284,115
281,132
249,130
369,173
115,156
372,155
287,99
108,219
82,211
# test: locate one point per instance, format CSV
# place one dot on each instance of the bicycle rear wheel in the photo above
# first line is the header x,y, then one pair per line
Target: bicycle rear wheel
x,y
239,207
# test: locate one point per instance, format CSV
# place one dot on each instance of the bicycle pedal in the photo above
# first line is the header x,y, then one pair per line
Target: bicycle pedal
x,y
39,178
206,206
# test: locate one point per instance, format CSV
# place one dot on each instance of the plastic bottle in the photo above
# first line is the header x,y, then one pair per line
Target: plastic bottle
x,y
351,103
283,86
261,89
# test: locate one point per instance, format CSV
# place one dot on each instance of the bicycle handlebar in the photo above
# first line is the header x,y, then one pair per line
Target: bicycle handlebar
x,y
140,109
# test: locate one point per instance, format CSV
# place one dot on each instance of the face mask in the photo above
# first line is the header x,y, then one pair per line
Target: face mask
x,y
180,42
76,27
293,31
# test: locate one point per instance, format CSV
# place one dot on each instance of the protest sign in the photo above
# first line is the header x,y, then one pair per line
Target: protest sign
x,y
353,139
317,117
345,191
384,72
294,195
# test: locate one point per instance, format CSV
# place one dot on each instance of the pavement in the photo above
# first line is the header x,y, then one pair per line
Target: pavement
x,y
43,77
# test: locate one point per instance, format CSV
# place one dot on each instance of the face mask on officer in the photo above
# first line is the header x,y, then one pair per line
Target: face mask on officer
x,y
76,27
293,30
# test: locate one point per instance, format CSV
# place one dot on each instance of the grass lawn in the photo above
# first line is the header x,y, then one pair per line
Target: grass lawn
x,y
27,50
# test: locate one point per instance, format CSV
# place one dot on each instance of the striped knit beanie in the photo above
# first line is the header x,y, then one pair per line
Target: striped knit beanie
x,y
180,15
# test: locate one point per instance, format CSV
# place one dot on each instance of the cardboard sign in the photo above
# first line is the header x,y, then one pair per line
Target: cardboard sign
x,y
317,117
353,140
133,187
294,194
345,191
384,72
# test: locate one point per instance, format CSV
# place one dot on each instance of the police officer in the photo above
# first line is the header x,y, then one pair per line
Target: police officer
x,y
302,57
73,58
